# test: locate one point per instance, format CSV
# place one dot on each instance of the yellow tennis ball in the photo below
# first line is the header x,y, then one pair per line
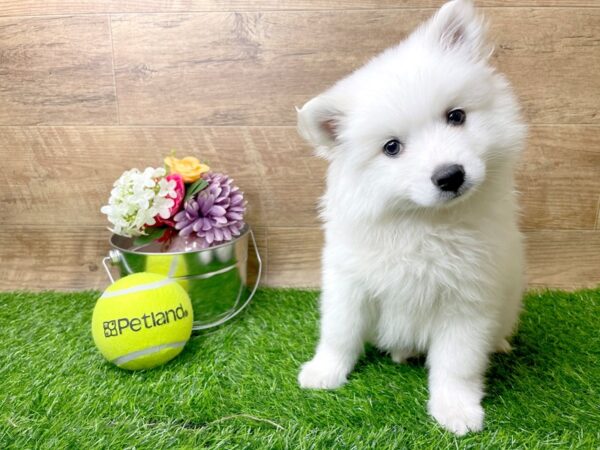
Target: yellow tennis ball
x,y
142,320
171,265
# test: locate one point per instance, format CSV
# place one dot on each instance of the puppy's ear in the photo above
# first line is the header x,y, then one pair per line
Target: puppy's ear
x,y
319,122
458,27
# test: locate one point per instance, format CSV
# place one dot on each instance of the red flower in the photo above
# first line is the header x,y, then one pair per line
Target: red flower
x,y
177,201
167,235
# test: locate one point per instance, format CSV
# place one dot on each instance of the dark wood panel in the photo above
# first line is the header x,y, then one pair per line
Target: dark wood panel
x,y
62,175
36,7
252,68
56,70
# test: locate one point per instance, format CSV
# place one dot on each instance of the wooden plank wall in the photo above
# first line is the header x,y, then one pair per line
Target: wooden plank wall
x,y
89,88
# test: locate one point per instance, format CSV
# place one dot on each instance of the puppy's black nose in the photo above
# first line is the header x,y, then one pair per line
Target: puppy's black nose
x,y
449,178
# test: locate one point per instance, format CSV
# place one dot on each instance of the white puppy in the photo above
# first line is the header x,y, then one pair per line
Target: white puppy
x,y
422,251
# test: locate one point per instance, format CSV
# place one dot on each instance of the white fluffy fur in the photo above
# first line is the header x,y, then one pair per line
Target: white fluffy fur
x,y
404,266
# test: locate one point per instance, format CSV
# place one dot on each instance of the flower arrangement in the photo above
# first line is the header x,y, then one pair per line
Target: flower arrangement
x,y
183,205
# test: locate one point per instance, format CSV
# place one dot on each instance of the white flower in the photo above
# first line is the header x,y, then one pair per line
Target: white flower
x,y
137,198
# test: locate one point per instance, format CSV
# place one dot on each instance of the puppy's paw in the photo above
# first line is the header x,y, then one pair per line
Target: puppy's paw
x,y
457,417
316,375
503,346
399,356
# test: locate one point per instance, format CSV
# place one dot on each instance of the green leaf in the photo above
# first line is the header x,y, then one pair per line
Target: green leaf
x,y
194,188
153,234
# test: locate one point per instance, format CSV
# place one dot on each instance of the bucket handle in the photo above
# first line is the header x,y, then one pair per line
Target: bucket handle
x,y
235,312
114,256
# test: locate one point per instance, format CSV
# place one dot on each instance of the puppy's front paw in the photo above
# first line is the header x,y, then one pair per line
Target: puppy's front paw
x,y
503,347
317,375
456,416
399,355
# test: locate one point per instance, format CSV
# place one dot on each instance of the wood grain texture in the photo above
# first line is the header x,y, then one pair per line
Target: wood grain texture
x,y
40,257
556,259
559,178
56,70
67,258
36,7
551,57
563,259
295,256
219,79
63,175
252,68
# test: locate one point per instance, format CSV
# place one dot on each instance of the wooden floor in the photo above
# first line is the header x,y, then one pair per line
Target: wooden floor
x,y
91,88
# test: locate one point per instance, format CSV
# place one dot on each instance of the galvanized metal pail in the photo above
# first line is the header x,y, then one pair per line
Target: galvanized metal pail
x,y
215,278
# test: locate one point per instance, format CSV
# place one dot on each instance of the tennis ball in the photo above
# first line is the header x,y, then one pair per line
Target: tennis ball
x,y
142,320
171,265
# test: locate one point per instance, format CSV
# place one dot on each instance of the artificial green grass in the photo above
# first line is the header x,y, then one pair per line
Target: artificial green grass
x,y
236,387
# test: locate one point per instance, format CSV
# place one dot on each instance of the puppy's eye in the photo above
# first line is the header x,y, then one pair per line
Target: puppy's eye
x,y
456,117
393,147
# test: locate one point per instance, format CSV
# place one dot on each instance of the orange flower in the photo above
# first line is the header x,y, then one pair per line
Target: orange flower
x,y
189,167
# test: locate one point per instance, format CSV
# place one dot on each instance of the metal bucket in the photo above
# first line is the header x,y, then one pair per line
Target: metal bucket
x,y
215,278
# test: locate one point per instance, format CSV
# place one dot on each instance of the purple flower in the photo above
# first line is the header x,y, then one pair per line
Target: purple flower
x,y
215,214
